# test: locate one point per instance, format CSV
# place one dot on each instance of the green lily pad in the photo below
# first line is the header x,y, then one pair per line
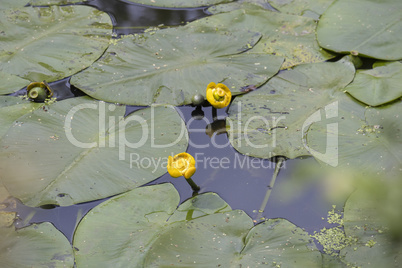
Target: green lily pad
x,y
11,83
271,120
80,150
137,230
38,245
241,4
368,140
227,239
289,36
7,218
179,3
54,2
12,108
308,8
379,85
50,43
361,27
4,194
13,4
172,65
373,245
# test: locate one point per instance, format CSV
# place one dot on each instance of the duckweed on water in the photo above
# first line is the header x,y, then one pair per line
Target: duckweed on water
x,y
333,239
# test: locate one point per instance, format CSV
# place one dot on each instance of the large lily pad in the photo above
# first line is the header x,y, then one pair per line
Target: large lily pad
x,y
80,150
38,245
4,194
308,8
179,3
51,43
361,27
11,83
368,141
137,230
379,85
54,2
241,4
171,66
289,36
12,108
143,220
13,4
271,121
373,244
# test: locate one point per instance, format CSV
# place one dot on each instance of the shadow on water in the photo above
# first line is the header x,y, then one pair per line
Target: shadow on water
x,y
242,181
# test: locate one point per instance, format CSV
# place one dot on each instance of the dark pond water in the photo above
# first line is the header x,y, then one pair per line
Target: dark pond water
x,y
131,18
240,180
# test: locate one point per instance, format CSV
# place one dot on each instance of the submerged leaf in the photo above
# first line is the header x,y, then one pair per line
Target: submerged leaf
x,y
50,43
365,139
374,245
379,85
362,27
38,245
272,120
137,230
80,150
172,65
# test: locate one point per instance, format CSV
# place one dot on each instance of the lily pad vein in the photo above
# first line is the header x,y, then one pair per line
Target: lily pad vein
x,y
378,33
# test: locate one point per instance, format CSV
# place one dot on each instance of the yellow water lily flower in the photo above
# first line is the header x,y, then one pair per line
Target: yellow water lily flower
x,y
218,95
182,164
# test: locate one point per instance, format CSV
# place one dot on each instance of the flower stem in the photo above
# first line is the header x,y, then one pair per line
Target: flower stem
x,y
194,186
214,114
189,215
278,166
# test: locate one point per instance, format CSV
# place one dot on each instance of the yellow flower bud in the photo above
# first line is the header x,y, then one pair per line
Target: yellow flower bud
x,y
39,91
